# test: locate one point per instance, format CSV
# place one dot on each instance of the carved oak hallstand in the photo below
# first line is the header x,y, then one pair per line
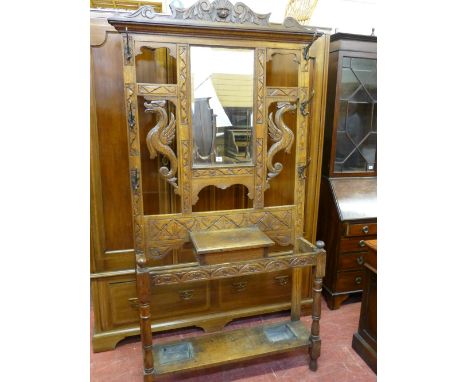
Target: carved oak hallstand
x,y
236,107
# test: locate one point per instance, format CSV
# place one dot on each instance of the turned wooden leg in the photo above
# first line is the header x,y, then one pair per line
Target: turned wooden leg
x,y
143,283
314,339
296,294
315,342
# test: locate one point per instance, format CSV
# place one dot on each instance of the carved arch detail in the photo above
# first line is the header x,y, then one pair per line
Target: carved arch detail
x,y
221,183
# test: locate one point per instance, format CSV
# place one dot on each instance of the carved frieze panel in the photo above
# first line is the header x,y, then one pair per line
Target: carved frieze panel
x,y
177,227
220,271
272,221
222,171
160,90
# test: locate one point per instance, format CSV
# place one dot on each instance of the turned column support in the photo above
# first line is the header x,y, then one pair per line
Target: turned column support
x,y
314,339
144,293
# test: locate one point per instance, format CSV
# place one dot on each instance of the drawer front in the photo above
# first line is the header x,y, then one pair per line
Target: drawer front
x,y
349,281
352,260
355,244
166,301
255,290
361,229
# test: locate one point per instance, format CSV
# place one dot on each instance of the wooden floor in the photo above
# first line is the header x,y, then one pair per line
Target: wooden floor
x,y
338,361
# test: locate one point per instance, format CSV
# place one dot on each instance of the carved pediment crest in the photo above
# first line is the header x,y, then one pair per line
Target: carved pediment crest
x,y
220,11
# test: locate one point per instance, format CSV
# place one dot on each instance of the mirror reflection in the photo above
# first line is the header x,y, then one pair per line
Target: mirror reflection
x,y
222,105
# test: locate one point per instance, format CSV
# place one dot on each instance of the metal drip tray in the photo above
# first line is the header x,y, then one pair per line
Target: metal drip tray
x,y
279,333
175,353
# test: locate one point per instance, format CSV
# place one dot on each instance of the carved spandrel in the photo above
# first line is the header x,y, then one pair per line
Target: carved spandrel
x,y
220,11
223,183
140,45
160,138
296,54
281,135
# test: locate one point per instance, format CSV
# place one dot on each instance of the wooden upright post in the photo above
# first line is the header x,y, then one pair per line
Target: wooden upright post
x,y
296,294
144,293
314,339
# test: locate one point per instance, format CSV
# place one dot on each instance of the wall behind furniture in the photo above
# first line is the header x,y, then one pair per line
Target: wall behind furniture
x,y
348,16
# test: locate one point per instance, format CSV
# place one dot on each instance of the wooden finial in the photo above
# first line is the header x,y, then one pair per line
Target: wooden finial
x,y
320,244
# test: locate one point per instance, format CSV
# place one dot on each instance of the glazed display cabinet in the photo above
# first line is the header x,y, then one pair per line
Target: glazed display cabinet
x,y
348,197
183,147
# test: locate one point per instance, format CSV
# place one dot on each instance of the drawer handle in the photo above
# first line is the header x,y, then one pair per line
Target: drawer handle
x,y
186,294
358,280
282,280
361,243
133,302
239,286
365,229
360,260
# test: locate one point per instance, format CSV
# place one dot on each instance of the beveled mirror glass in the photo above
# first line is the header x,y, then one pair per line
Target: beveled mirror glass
x,y
222,105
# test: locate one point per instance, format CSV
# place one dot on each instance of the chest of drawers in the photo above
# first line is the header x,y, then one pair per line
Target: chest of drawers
x,y
347,217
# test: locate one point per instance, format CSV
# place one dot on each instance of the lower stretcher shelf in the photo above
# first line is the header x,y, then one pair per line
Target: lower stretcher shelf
x,y
229,346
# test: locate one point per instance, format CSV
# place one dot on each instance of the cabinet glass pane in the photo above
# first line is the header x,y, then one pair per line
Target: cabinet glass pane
x,y
356,135
222,104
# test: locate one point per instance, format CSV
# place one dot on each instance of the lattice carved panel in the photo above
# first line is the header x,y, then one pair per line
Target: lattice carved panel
x,y
274,221
160,90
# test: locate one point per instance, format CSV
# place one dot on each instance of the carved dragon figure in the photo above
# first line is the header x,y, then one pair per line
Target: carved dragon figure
x,y
159,139
281,135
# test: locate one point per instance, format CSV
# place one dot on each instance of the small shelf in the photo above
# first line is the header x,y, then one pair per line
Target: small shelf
x,y
229,240
230,245
229,346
